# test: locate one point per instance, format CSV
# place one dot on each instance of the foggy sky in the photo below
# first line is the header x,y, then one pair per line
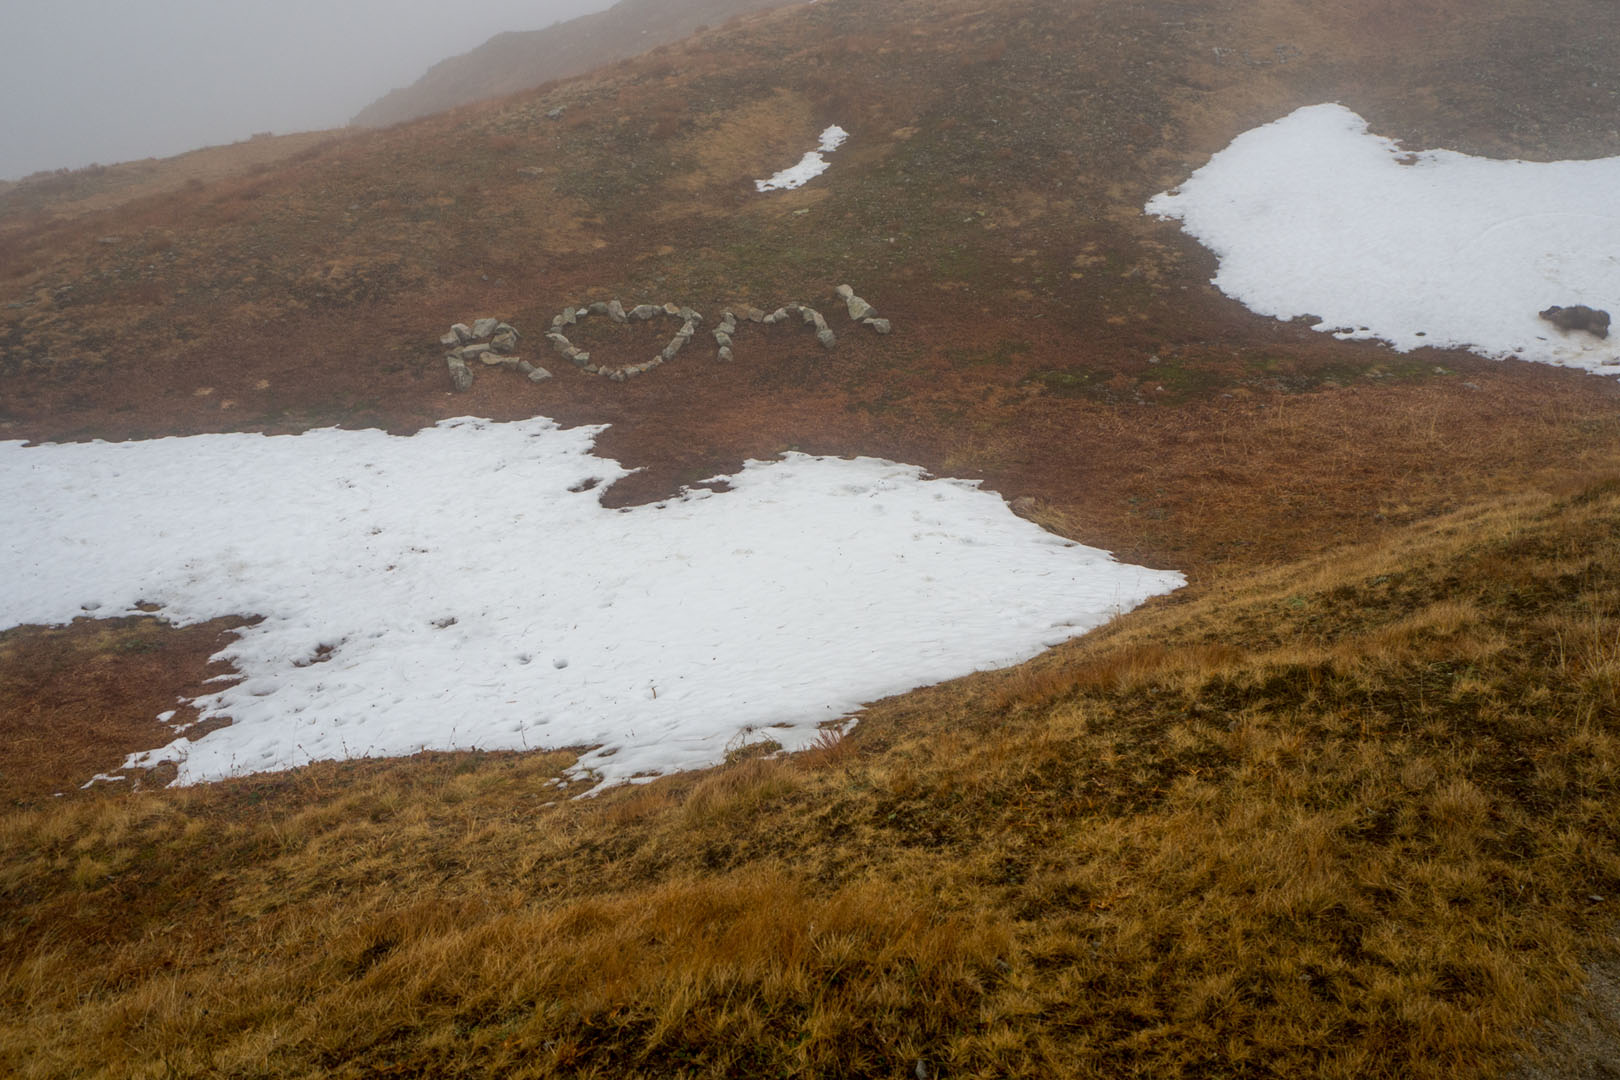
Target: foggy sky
x,y
116,80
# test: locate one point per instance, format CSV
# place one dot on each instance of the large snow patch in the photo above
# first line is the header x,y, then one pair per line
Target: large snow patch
x,y
1314,215
463,587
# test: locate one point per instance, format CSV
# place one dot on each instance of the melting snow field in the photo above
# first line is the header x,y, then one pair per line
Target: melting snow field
x,y
812,165
1314,215
463,587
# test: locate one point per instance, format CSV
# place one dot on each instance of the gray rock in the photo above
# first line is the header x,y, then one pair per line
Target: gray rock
x,y
672,309
461,377
1024,505
463,333
563,346
827,338
450,339
686,331
507,328
859,309
816,319
753,314
645,311
592,369
880,325
722,339
1594,321
493,359
689,315
504,342
615,311
844,292
557,113
539,374
524,367
531,171
483,328
468,352
597,307
723,354
579,358
673,348
810,316
775,317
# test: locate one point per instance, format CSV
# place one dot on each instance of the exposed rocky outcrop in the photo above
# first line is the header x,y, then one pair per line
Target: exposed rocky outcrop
x,y
1594,321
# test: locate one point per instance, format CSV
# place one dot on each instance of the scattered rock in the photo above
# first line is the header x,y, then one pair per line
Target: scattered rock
x,y
1579,317
531,171
495,342
557,113
461,377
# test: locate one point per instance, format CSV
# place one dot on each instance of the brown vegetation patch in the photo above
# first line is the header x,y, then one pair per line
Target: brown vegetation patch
x,y
76,700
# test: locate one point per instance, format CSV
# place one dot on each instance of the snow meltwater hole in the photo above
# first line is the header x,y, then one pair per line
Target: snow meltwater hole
x,y
812,165
1314,215
463,588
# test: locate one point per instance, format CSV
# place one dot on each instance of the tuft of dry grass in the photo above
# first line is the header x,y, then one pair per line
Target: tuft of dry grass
x,y
1351,817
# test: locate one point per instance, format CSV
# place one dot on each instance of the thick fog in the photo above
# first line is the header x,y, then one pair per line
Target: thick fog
x,y
116,80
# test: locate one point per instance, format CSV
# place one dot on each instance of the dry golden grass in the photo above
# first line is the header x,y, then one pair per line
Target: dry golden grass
x,y
1354,817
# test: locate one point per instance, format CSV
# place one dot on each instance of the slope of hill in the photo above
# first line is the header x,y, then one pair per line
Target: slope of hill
x,y
1343,807
518,60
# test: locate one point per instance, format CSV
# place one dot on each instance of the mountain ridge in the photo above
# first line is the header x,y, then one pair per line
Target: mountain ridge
x,y
518,60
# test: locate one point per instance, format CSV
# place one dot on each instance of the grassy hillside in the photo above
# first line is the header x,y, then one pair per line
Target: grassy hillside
x,y
1357,817
1343,807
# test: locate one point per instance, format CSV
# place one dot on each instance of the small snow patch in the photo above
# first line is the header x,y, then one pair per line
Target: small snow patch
x,y
812,165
